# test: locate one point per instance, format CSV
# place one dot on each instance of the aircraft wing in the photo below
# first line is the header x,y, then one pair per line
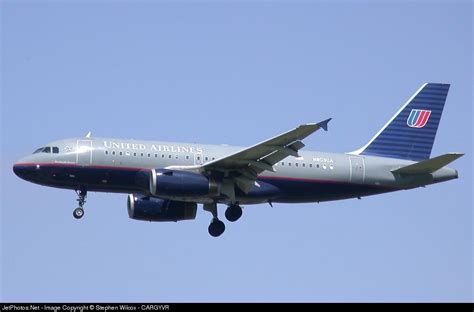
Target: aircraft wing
x,y
244,166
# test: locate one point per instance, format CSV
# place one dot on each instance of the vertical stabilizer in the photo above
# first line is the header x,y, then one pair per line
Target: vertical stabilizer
x,y
410,133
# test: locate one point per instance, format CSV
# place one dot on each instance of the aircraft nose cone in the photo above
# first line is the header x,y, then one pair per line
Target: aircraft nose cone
x,y
19,170
24,171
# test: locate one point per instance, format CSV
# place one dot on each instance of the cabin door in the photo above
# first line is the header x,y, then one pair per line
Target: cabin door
x,y
84,152
357,169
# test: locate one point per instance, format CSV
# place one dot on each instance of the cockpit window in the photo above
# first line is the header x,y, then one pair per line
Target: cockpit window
x,y
47,149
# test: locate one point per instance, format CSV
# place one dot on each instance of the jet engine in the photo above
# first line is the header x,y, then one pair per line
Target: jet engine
x,y
175,183
156,209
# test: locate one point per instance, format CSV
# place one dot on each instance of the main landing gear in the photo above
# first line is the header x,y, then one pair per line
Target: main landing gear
x,y
217,227
79,211
233,213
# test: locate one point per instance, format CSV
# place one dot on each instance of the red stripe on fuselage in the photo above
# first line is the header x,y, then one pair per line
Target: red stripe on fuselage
x,y
302,179
308,180
82,166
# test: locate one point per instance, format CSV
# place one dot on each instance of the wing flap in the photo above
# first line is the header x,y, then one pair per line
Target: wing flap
x,y
261,165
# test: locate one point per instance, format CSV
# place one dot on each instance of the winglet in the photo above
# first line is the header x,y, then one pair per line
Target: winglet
x,y
324,124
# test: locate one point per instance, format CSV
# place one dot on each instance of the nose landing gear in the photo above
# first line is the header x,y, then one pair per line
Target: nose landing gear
x,y
79,211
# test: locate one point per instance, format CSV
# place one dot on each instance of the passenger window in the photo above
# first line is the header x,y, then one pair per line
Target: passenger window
x,y
156,155
317,166
149,155
303,164
311,165
55,149
169,156
141,154
162,155
187,157
282,163
106,152
296,164
289,164
206,158
176,156
213,158
134,154
113,153
198,158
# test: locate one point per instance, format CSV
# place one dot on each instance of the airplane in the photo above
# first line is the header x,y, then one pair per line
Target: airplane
x,y
167,180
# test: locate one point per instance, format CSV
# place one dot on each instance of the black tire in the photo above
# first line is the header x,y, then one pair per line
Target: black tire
x,y
78,213
216,228
233,213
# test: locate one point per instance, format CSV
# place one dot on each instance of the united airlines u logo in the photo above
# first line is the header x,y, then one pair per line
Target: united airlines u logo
x,y
418,118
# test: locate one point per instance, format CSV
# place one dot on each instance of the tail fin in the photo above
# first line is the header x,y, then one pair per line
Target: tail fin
x,y
411,131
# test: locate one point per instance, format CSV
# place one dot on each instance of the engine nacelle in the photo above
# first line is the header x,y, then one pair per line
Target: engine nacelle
x,y
175,183
157,209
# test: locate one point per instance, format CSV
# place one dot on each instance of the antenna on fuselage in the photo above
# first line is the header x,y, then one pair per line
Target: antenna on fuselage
x,y
88,135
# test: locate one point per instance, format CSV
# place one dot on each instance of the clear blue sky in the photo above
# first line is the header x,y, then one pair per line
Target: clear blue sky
x,y
233,73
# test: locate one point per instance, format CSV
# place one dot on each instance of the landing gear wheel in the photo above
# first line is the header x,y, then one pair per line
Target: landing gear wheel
x,y
216,228
233,213
78,213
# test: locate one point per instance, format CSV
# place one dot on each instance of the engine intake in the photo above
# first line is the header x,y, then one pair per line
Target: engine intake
x,y
182,184
156,209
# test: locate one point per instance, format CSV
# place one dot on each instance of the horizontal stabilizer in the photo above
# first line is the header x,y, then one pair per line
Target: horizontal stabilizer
x,y
430,165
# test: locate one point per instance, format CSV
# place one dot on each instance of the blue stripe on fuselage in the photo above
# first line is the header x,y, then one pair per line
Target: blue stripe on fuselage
x,y
311,190
130,180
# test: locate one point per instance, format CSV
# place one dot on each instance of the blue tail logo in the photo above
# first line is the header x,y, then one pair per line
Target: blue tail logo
x,y
410,133
418,118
